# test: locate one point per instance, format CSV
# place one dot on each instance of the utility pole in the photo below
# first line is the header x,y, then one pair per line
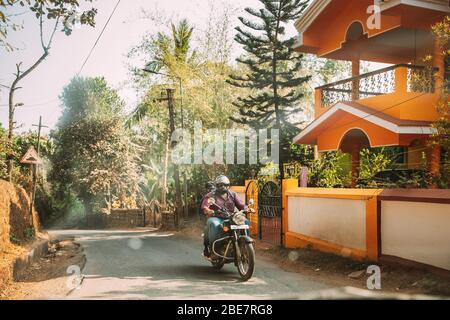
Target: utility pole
x,y
33,193
185,191
176,171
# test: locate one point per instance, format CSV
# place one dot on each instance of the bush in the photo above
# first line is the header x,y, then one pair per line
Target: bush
x,y
63,211
330,171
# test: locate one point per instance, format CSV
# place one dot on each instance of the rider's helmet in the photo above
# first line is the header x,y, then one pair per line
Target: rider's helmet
x,y
222,184
210,186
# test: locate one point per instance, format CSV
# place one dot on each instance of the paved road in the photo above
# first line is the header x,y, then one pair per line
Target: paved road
x,y
161,265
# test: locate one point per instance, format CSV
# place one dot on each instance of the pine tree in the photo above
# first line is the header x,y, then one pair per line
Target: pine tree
x,y
273,70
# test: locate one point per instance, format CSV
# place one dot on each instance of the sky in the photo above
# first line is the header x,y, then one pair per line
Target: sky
x,y
41,89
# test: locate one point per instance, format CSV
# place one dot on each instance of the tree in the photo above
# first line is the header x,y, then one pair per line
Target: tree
x,y
206,95
441,138
273,69
59,13
6,24
95,155
169,51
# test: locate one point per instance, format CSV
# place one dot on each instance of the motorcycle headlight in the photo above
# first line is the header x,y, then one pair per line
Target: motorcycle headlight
x,y
239,219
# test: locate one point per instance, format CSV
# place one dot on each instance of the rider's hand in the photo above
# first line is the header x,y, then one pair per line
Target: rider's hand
x,y
209,212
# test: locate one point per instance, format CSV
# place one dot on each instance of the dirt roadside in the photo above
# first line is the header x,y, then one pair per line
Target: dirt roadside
x,y
343,272
49,275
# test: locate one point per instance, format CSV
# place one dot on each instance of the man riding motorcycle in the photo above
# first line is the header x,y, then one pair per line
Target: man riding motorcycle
x,y
224,198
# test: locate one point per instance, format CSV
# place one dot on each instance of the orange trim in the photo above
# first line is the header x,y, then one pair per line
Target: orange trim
x,y
296,240
354,194
370,197
238,189
372,229
288,184
254,218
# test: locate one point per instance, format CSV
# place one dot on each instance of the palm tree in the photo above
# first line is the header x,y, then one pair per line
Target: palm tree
x,y
172,50
182,35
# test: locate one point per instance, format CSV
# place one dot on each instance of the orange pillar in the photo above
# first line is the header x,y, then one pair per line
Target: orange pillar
x,y
355,164
288,184
435,160
355,73
372,241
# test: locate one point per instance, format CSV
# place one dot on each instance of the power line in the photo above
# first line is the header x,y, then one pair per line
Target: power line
x,y
85,61
34,105
99,37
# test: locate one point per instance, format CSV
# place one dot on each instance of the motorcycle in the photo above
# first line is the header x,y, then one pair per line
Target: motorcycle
x,y
236,246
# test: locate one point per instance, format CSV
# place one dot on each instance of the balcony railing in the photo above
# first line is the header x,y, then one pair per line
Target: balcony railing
x,y
396,78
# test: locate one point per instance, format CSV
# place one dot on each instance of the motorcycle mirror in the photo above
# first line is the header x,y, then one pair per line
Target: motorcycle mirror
x,y
251,202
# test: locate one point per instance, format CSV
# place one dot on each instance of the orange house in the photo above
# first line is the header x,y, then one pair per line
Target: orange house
x,y
393,106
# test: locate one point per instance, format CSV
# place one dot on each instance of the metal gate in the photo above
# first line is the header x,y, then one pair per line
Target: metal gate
x,y
269,212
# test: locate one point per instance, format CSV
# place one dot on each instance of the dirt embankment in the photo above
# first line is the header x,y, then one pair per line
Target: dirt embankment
x,y
18,228
53,276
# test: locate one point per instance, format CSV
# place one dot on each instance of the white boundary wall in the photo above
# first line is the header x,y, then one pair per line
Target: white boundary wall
x,y
416,231
339,221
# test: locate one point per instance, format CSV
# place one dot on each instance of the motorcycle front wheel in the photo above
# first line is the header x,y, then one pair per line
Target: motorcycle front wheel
x,y
246,263
218,264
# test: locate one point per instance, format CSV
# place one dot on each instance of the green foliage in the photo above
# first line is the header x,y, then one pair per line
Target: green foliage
x,y
273,71
206,98
372,163
441,138
443,179
61,11
4,148
66,210
181,35
16,150
94,151
29,233
329,171
303,154
13,239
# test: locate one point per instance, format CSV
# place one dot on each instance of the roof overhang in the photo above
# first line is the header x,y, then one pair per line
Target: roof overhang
x,y
310,14
435,5
397,126
319,12
317,7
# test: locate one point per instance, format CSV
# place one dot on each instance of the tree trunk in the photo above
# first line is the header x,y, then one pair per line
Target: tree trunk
x,y
19,77
165,170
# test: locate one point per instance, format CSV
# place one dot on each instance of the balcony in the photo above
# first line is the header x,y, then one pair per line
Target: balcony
x,y
400,78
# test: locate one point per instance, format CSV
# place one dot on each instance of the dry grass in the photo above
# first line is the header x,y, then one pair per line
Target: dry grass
x,y
17,227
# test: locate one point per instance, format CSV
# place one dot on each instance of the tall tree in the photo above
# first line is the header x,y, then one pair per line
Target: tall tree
x,y
94,151
273,70
441,138
168,52
60,14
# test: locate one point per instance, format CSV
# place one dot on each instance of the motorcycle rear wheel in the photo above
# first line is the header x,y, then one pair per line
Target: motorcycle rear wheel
x,y
246,264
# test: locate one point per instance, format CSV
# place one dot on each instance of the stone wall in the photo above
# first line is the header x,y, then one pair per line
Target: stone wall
x,y
125,218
